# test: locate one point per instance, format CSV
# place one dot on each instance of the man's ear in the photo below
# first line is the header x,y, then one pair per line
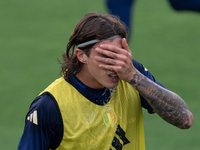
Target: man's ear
x,y
81,55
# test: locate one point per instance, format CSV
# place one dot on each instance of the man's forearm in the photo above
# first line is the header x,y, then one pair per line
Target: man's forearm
x,y
165,103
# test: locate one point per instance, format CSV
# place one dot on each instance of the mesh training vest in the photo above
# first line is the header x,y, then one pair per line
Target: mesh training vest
x,y
118,125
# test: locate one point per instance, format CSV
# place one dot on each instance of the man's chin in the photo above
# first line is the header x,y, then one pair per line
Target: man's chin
x,y
111,86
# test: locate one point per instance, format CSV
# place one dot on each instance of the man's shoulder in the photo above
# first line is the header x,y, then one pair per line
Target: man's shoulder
x,y
45,108
44,101
140,67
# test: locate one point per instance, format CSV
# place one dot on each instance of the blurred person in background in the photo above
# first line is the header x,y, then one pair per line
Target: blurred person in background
x,y
124,9
97,103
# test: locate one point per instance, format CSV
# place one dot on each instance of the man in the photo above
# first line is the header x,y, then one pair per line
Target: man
x,y
97,104
124,9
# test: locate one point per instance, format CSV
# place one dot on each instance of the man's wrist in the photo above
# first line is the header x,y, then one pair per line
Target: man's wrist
x,y
132,78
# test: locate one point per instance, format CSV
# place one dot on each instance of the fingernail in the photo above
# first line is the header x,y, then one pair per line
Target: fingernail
x,y
97,49
102,45
125,40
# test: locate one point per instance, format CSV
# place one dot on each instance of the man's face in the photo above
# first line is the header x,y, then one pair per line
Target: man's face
x,y
95,77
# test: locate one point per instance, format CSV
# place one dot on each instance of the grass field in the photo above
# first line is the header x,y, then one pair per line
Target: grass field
x,y
33,34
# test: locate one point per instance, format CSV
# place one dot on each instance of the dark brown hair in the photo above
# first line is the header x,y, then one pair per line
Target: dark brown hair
x,y
92,26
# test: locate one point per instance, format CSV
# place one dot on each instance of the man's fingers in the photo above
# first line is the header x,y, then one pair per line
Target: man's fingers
x,y
112,48
110,67
110,61
112,54
126,47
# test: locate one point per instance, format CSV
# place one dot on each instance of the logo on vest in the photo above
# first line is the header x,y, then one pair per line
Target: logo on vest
x,y
109,118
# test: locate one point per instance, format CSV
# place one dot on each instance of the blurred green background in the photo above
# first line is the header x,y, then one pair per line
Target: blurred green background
x,y
33,34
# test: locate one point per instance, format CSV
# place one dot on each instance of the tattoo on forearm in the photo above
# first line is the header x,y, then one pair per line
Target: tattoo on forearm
x,y
165,103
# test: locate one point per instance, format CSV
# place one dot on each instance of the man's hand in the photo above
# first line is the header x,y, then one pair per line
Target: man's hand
x,y
117,59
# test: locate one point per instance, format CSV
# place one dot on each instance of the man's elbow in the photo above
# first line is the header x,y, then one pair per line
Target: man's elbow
x,y
189,121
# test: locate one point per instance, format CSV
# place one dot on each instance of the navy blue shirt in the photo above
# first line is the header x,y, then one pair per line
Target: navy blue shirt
x,y
43,125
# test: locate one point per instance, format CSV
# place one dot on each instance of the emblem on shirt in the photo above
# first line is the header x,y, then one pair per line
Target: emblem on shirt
x,y
109,118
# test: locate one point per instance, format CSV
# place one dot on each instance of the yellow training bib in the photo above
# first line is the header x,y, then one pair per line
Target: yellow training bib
x,y
118,125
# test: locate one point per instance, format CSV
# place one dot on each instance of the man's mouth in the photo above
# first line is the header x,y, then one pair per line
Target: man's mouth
x,y
112,75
